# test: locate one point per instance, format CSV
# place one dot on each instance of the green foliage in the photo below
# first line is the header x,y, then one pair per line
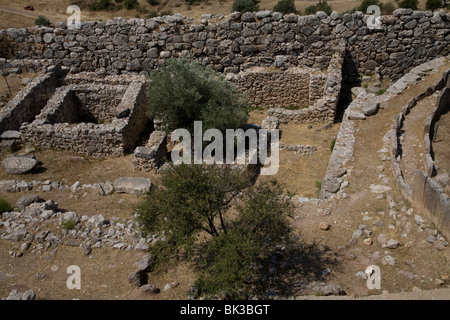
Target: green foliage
x,y
320,6
433,4
131,4
285,7
215,215
102,5
193,199
412,4
292,107
245,6
183,91
42,21
332,144
68,225
388,8
318,184
366,3
381,91
5,206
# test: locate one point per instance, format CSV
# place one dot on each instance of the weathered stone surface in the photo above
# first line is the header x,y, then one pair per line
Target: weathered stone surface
x,y
137,278
18,164
11,134
25,201
132,185
370,108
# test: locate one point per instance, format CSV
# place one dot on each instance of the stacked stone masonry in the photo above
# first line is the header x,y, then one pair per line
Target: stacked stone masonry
x,y
79,117
237,42
424,191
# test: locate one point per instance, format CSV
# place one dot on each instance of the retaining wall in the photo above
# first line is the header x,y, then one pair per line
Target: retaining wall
x,y
237,42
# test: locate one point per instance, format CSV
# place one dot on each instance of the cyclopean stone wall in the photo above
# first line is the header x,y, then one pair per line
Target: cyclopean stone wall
x,y
237,42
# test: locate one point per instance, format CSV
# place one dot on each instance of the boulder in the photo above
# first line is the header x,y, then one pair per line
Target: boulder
x,y
137,278
18,164
11,134
132,185
25,201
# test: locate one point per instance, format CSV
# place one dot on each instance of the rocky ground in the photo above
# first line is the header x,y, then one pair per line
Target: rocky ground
x,y
61,219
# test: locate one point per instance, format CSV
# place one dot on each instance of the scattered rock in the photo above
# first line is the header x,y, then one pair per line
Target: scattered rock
x,y
25,201
86,250
131,185
368,241
440,245
323,225
137,278
39,275
377,188
145,263
18,164
382,238
392,244
388,260
149,288
407,274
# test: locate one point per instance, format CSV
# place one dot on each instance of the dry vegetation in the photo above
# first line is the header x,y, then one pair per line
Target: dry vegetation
x,y
13,15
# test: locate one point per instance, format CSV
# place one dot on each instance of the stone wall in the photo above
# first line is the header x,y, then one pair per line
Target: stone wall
x,y
424,192
237,42
271,88
29,101
57,126
96,102
323,109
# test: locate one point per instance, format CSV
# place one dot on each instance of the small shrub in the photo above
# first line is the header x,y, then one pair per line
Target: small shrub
x,y
152,14
381,91
130,4
245,6
388,8
5,206
153,2
68,225
285,7
183,91
292,107
318,185
411,4
333,142
325,7
320,6
42,21
433,4
366,3
102,5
